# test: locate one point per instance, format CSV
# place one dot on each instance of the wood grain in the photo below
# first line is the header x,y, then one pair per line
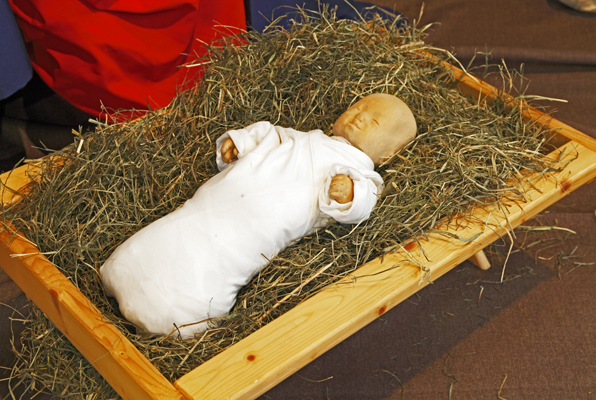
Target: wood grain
x,y
266,357
258,362
110,352
13,182
484,92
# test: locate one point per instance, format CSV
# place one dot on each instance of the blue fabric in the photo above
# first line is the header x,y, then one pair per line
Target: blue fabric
x,y
15,68
263,12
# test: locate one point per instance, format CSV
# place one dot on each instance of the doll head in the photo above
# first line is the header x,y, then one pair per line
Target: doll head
x,y
379,124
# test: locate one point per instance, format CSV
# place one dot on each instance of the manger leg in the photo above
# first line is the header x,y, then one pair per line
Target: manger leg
x,y
479,259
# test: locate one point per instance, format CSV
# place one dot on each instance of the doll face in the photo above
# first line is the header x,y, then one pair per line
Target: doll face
x,y
379,125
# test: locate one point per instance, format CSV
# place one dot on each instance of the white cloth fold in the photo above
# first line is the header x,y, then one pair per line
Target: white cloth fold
x,y
189,265
367,186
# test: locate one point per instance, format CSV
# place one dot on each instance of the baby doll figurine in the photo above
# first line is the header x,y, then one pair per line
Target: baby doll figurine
x,y
276,185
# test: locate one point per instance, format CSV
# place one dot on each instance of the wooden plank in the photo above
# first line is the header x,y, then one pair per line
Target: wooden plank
x,y
110,352
12,182
260,361
268,356
482,91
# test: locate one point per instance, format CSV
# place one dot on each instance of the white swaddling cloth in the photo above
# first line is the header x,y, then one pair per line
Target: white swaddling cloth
x,y
188,266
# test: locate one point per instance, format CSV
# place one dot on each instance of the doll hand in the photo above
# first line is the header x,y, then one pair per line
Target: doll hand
x,y
341,189
229,152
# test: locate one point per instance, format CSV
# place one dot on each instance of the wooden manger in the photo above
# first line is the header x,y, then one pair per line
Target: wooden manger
x,y
266,357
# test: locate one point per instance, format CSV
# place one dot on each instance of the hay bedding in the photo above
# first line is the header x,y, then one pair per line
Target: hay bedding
x,y
124,176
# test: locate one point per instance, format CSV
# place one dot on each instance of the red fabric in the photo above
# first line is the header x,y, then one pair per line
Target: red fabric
x,y
121,53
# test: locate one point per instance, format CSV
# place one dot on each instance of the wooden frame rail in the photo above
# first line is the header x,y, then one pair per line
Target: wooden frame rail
x,y
263,359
